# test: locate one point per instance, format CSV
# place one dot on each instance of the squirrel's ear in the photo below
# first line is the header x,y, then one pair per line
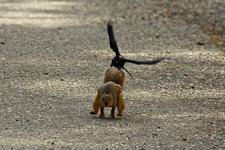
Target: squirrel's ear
x,y
103,95
111,97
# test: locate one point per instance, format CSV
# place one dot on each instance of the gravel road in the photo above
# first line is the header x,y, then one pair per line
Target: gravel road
x,y
53,55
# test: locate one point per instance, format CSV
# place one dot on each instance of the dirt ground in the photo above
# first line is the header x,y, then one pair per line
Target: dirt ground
x,y
53,55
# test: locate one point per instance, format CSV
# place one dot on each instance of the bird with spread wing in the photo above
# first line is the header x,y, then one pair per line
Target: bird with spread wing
x,y
118,61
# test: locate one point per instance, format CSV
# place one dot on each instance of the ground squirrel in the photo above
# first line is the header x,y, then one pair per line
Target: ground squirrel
x,y
110,94
115,75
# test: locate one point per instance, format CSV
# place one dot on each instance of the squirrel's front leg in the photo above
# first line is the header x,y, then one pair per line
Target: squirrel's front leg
x,y
102,113
113,112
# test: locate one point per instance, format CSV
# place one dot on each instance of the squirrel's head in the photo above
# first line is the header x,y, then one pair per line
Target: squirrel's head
x,y
106,100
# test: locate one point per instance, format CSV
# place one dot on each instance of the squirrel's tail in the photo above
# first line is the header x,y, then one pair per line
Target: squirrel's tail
x,y
115,75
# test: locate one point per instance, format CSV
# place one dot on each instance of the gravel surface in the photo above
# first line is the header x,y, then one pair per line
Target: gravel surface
x,y
53,55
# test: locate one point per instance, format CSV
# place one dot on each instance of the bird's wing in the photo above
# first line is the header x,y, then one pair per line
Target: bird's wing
x,y
112,40
144,62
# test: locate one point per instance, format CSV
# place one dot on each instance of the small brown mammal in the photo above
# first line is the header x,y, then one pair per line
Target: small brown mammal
x,y
109,95
115,75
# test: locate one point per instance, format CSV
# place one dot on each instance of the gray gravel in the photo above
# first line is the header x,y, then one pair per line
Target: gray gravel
x,y
53,55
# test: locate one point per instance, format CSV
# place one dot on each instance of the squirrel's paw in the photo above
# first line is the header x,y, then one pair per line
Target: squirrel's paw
x,y
101,116
93,113
119,115
112,115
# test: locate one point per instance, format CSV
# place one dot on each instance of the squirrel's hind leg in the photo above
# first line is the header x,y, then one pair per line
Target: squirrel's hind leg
x,y
96,104
120,104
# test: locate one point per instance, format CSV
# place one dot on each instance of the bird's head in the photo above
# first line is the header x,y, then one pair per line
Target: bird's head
x,y
118,62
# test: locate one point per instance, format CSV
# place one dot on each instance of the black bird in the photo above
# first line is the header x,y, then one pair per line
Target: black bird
x,y
118,61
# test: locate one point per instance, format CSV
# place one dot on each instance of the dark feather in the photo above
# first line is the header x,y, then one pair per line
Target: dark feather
x,y
112,40
143,62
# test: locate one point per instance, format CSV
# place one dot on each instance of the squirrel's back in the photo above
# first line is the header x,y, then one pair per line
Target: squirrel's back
x,y
115,75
